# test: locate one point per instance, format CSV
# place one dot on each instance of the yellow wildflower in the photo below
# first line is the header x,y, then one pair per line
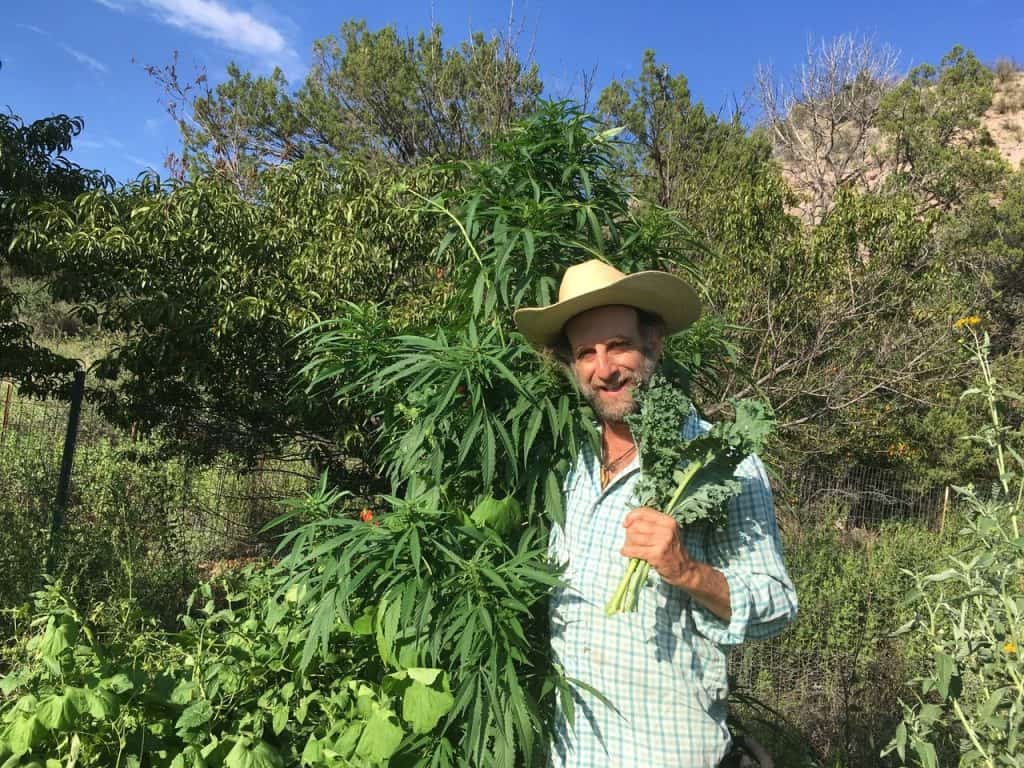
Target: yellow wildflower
x,y
1009,647
967,322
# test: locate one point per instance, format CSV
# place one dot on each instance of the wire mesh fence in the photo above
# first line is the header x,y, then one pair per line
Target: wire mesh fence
x,y
129,510
868,497
837,673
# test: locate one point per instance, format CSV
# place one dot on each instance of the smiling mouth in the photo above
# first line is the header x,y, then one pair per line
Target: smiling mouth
x,y
614,389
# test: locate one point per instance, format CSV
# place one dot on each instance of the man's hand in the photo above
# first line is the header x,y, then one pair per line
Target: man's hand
x,y
655,537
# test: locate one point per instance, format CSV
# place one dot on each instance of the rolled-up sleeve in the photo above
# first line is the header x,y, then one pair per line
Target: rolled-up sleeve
x,y
748,552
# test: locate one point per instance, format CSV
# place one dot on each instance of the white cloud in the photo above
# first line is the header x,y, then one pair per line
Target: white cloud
x,y
105,142
151,126
85,58
32,28
238,30
111,5
142,163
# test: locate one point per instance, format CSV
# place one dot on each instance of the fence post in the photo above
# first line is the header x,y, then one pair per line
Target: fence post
x,y
64,482
7,411
945,504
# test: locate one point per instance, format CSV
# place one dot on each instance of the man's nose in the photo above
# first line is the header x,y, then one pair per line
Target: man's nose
x,y
602,364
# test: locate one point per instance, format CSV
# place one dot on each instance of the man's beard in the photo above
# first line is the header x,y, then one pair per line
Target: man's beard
x,y
616,412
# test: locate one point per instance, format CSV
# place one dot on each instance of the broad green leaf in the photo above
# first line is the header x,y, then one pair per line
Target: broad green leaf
x,y
380,737
500,515
926,754
280,718
23,734
945,667
56,713
196,714
424,705
245,754
118,683
313,752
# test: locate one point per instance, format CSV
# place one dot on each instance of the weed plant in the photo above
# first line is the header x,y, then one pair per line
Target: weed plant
x,y
968,704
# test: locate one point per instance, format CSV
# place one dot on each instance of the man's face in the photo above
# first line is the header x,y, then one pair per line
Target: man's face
x,y
609,359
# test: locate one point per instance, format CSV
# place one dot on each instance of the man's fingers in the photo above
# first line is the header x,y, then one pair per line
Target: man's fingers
x,y
646,514
642,528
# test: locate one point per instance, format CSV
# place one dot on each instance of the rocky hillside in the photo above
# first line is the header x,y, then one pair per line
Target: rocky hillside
x,y
1005,118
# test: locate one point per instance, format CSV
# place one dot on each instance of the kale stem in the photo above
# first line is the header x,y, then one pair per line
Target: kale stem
x,y
615,604
688,474
637,581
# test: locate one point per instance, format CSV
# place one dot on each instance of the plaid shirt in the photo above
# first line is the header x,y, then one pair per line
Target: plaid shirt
x,y
663,668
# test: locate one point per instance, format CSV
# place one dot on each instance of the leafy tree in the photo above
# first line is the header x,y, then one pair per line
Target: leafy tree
x,y
988,235
683,154
369,94
932,134
33,168
209,288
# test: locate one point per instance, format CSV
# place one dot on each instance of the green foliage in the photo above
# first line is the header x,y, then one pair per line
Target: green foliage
x,y
931,128
471,414
693,480
137,524
442,590
370,95
225,690
989,234
33,168
686,156
208,288
837,673
970,615
472,409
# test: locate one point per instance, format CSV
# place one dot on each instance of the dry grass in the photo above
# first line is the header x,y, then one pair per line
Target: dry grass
x,y
1006,69
1005,118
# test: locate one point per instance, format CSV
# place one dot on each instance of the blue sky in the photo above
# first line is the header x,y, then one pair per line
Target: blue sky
x,y
87,57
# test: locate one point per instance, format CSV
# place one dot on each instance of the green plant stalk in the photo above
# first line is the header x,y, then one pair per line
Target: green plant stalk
x,y
627,593
972,735
469,242
990,397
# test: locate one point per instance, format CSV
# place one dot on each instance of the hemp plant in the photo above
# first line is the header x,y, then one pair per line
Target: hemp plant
x,y
474,432
969,703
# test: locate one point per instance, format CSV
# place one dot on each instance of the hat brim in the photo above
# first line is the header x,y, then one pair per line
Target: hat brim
x,y
660,293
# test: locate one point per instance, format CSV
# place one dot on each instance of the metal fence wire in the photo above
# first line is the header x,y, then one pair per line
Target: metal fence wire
x,y
216,511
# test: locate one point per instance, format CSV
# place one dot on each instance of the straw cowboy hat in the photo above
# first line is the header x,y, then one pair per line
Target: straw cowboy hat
x,y
596,284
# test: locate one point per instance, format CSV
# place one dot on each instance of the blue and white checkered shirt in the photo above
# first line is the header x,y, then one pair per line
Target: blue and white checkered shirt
x,y
663,667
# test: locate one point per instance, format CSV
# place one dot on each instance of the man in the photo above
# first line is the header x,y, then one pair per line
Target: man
x,y
663,668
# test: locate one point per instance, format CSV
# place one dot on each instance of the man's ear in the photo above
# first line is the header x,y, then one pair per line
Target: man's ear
x,y
656,345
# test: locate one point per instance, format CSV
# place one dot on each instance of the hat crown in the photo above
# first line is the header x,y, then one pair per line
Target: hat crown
x,y
586,277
